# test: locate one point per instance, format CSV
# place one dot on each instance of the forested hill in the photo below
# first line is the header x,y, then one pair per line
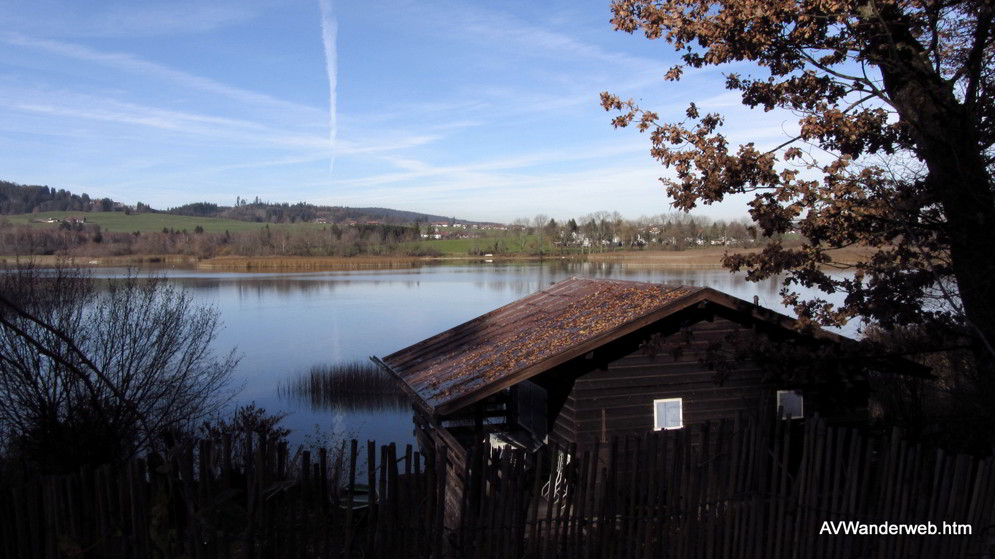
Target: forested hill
x,y
291,213
23,199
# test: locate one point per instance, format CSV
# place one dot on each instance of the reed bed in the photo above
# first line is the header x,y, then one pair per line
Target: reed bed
x,y
354,386
703,258
269,264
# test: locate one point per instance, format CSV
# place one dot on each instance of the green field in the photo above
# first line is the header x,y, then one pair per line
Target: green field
x,y
450,247
461,247
119,222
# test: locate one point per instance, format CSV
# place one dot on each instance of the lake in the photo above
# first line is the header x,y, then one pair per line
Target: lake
x,y
284,323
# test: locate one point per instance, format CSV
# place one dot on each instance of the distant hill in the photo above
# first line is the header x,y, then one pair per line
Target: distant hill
x,y
24,199
266,212
21,199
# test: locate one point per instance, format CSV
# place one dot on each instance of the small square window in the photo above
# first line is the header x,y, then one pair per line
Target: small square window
x,y
667,414
792,402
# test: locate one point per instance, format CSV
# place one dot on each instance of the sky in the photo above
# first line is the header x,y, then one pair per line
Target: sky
x,y
486,111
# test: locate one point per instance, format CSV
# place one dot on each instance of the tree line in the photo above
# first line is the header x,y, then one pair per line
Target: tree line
x,y
19,199
327,240
603,230
597,232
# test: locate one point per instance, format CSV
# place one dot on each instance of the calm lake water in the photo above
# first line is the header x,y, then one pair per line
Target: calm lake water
x,y
284,323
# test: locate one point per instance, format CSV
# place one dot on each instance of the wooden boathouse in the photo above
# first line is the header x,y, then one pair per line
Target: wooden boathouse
x,y
588,359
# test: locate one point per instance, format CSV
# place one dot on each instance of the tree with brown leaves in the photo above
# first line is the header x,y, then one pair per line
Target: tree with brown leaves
x,y
899,94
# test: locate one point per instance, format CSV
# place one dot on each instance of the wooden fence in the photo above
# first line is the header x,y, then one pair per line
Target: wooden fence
x,y
720,490
731,491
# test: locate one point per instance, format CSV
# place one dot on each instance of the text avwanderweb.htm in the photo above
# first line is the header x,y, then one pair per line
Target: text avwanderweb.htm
x,y
856,528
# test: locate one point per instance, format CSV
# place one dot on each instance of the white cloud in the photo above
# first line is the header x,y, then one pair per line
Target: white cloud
x,y
506,32
413,169
329,32
190,126
141,67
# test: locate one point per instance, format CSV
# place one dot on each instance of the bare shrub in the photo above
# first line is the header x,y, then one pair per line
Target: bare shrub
x,y
92,375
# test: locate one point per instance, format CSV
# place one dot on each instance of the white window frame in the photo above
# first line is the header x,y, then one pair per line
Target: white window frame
x,y
801,403
656,417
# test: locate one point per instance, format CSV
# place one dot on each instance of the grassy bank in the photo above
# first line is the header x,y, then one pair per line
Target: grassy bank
x,y
710,257
462,247
696,258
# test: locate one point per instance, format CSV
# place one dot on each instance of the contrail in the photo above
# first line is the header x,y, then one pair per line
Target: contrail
x,y
329,31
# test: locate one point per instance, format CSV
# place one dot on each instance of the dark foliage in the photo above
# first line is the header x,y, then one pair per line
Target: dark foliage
x,y
19,199
95,373
893,153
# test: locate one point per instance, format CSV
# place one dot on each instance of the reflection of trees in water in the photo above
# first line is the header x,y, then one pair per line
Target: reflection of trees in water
x,y
517,278
291,285
353,386
317,285
525,280
287,287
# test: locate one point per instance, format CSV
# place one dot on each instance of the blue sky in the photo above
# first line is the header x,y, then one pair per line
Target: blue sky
x,y
482,110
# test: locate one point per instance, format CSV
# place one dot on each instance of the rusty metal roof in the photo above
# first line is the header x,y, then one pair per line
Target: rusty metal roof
x,y
530,335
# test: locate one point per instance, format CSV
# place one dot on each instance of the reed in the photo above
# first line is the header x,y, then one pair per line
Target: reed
x,y
354,386
311,263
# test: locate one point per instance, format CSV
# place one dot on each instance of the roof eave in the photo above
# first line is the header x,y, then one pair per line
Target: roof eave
x,y
416,398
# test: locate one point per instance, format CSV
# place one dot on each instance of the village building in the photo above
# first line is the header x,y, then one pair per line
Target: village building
x,y
586,360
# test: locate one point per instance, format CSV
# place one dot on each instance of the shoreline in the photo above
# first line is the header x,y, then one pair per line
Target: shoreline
x,y
710,257
694,258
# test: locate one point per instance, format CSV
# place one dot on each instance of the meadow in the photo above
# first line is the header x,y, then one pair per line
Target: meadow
x,y
120,222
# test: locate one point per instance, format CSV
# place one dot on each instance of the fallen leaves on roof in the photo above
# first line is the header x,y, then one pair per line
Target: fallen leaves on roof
x,y
527,332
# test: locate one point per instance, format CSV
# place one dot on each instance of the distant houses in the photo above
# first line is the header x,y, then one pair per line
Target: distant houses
x,y
74,220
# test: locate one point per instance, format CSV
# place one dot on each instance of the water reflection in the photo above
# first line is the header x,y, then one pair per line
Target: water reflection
x,y
516,279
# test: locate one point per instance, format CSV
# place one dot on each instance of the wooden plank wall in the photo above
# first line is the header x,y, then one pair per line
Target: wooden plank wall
x,y
617,400
723,489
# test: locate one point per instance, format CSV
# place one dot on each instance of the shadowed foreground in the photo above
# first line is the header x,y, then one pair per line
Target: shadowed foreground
x,y
729,490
